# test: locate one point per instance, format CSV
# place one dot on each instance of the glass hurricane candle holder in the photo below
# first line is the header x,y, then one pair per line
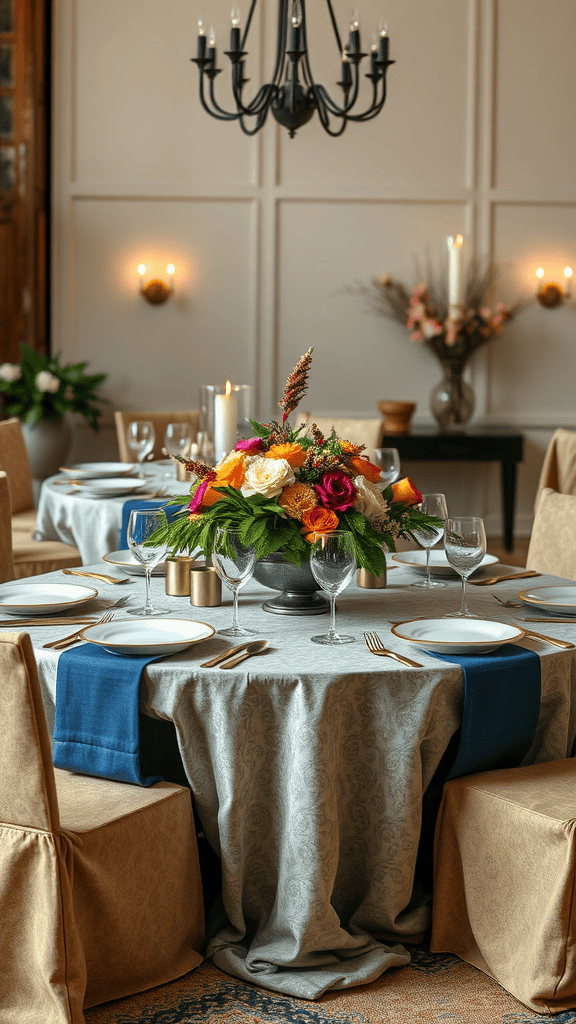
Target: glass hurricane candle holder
x,y
225,413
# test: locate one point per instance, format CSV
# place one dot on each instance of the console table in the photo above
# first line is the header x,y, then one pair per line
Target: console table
x,y
474,444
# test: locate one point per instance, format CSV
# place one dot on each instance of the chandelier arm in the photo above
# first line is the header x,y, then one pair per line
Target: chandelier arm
x,y
248,20
335,26
221,115
260,102
260,121
324,114
264,96
372,111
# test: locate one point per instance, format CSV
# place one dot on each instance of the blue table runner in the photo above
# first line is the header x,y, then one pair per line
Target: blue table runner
x,y
502,693
96,730
138,503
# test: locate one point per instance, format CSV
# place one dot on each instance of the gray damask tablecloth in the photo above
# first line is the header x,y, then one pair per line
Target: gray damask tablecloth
x,y
308,767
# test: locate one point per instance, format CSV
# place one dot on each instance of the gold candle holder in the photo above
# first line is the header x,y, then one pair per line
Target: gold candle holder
x,y
178,575
205,586
369,581
182,473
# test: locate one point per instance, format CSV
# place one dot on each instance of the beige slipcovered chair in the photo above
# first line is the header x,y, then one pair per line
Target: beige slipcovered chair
x,y
100,893
160,421
360,431
6,561
559,466
504,880
552,547
31,557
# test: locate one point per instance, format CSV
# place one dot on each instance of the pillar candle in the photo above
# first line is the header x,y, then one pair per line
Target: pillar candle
x,y
225,419
454,271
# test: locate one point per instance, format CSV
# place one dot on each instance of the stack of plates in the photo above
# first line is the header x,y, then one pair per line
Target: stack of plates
x,y
92,470
115,486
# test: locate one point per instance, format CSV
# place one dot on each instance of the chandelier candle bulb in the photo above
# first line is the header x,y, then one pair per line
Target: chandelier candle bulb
x,y
383,43
201,52
235,30
225,419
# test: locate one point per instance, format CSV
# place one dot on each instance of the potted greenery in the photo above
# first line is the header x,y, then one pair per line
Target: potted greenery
x,y
40,392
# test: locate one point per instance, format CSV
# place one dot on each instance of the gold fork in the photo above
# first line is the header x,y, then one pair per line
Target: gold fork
x,y
65,641
375,646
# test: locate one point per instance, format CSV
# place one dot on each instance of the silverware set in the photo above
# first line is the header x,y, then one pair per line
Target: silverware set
x,y
242,651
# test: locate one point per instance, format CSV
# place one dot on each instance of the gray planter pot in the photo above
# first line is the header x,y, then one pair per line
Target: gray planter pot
x,y
299,588
47,445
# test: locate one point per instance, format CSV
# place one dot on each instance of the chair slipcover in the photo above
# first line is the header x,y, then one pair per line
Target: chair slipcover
x,y
360,431
504,877
100,893
31,557
160,421
559,467
6,561
552,547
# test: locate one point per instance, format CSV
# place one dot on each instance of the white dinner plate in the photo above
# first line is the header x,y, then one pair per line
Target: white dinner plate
x,y
130,564
22,598
556,600
99,469
147,636
457,636
439,564
109,488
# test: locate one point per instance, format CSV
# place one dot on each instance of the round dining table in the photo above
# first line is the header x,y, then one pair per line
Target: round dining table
x,y
71,514
310,767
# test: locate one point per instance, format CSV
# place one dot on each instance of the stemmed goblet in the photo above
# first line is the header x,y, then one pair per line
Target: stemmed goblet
x,y
234,562
465,544
177,439
427,537
141,525
333,564
388,459
140,436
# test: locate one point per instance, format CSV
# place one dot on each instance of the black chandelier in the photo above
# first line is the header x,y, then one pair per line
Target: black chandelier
x,y
293,95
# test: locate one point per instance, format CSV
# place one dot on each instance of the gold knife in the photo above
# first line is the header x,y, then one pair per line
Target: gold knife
x,y
498,579
531,635
96,576
225,654
51,621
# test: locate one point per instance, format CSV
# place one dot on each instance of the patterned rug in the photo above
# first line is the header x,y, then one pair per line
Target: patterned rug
x,y
432,988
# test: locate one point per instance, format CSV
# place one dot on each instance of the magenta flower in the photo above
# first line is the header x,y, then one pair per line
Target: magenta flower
x,y
199,493
336,491
249,444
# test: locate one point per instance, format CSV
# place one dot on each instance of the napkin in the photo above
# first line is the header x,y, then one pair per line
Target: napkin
x,y
501,708
96,730
137,503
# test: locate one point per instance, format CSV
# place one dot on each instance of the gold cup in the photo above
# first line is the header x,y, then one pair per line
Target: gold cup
x,y
182,473
205,586
178,575
369,581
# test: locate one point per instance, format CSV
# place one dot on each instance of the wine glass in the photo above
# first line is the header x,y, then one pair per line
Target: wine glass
x,y
140,436
177,439
465,544
141,525
333,564
234,562
388,459
427,537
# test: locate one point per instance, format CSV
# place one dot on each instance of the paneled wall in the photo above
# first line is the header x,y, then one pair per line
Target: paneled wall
x,y
478,136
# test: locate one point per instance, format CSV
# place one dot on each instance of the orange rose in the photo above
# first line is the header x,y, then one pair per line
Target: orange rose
x,y
319,520
367,469
231,472
405,492
295,455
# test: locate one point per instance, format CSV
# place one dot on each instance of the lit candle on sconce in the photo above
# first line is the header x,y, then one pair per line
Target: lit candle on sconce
x,y
550,294
454,274
156,291
568,275
225,420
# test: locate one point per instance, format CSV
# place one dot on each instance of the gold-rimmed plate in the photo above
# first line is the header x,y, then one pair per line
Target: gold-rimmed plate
x,y
457,636
143,637
439,564
552,600
23,598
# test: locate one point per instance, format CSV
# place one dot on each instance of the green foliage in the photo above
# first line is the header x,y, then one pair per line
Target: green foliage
x,y
75,392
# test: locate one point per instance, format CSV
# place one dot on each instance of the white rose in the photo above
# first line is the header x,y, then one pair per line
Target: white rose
x,y
268,477
46,381
10,372
369,501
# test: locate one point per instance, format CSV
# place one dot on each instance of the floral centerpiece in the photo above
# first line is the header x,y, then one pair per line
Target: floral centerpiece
x,y
283,485
451,333
39,388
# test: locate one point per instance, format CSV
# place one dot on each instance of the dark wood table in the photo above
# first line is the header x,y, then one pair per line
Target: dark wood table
x,y
473,444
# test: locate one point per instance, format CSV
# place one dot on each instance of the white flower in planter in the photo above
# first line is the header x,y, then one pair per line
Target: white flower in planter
x,y
46,381
10,372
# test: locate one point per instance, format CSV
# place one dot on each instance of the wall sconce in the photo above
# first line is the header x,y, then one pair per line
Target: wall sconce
x,y
551,294
156,290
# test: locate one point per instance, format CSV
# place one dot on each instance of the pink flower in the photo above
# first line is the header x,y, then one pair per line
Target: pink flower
x,y
417,310
336,490
486,312
198,495
250,444
416,336
418,292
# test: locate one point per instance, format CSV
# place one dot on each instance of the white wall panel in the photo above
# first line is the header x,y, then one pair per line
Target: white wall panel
x,y
156,356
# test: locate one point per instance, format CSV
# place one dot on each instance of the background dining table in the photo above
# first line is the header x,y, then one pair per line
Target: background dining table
x,y
309,769
90,522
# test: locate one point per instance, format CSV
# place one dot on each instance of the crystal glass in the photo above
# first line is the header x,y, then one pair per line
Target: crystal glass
x,y
388,459
141,525
140,436
234,562
465,544
432,505
177,441
333,564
